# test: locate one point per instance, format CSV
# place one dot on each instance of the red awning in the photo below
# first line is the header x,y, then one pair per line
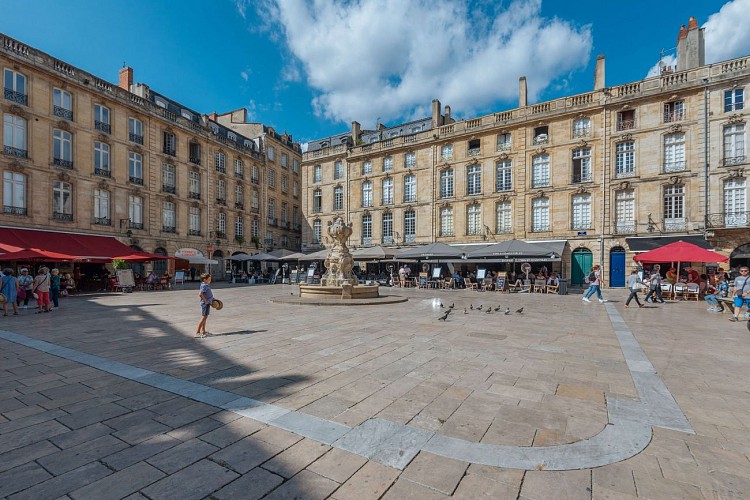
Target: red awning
x,y
35,254
84,247
679,251
142,257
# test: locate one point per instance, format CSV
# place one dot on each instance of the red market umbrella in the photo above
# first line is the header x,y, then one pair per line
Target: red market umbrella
x,y
36,254
679,251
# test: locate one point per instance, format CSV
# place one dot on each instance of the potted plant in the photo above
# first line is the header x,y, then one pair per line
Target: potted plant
x,y
256,241
239,239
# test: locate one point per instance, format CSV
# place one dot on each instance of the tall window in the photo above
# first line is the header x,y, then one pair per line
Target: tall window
x,y
446,221
101,118
169,143
581,211
295,215
474,220
101,207
735,202
625,159
388,228
239,196
194,184
625,212
674,111
284,183
284,210
387,164
221,224
254,228
338,169
135,211
338,198
540,171
503,218
168,217
581,127
446,183
14,193
194,219
221,191
388,191
366,229
255,201
582,165
317,173
317,232
734,144
62,200
503,142
410,160
272,178
674,208
410,188
101,159
272,210
540,214
674,152
239,227
271,153
255,175
168,178
366,167
317,201
220,162
474,179
734,100
367,194
15,87
410,226
62,148
446,152
503,175
135,130
239,168
284,160
135,167
62,103
14,136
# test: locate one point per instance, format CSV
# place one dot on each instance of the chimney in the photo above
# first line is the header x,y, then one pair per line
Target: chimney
x,y
523,93
126,78
437,119
447,118
599,73
356,131
691,46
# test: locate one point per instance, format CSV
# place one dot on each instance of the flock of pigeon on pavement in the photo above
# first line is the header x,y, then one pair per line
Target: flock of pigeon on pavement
x,y
489,310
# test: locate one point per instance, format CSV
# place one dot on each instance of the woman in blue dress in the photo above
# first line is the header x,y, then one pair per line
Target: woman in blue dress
x,y
9,288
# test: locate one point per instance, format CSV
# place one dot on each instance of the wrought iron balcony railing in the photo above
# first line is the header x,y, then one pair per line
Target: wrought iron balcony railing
x,y
581,225
18,97
59,162
673,116
625,124
64,113
136,138
674,166
675,225
367,241
221,201
14,210
62,216
728,220
625,227
169,151
17,152
272,221
581,133
102,221
169,188
135,180
578,178
103,172
730,161
239,175
135,225
239,206
196,159
103,126
194,232
194,195
168,229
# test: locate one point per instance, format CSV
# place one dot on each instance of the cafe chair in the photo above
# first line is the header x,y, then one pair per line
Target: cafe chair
x,y
692,291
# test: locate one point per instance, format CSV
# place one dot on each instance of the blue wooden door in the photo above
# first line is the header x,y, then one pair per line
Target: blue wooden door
x,y
617,268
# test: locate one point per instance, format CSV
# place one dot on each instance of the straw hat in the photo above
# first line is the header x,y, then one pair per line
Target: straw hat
x,y
217,304
3,298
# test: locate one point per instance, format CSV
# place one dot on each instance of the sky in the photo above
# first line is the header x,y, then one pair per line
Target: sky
x,y
311,67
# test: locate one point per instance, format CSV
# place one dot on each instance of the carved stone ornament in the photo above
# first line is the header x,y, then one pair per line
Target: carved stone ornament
x,y
674,179
103,185
735,118
625,185
582,143
504,198
408,208
136,191
445,204
17,110
63,176
63,125
365,213
737,172
169,198
540,150
581,190
474,161
195,204
365,179
386,210
15,166
675,128
626,137
137,149
504,156
103,138
539,194
168,161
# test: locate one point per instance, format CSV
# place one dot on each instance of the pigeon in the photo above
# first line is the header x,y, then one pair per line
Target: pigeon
x,y
519,311
465,311
471,306
507,311
489,310
441,305
444,316
451,306
479,308
497,308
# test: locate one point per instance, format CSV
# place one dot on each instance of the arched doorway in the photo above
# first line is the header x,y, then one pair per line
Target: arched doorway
x,y
218,272
238,266
160,266
580,264
740,256
617,267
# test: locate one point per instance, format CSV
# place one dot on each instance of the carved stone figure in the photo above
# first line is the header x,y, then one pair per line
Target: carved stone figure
x,y
339,262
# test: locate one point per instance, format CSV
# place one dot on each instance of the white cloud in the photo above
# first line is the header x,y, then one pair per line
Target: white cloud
x,y
666,61
727,35
377,58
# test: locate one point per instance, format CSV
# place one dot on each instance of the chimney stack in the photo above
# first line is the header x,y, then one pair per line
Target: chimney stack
x,y
447,117
126,78
599,73
523,93
691,46
356,131
437,119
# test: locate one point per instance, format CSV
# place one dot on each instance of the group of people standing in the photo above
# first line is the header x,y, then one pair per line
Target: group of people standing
x,y
44,288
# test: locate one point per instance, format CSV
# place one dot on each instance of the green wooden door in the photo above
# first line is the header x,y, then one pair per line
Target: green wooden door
x,y
581,262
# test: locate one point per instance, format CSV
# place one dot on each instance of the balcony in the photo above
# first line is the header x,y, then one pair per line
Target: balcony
x,y
195,159
194,232
272,221
18,97
221,201
675,225
169,151
733,160
239,175
167,188
103,172
255,180
579,178
728,220
540,228
14,210
64,113
102,221
410,238
194,195
103,126
366,241
625,227
135,180
255,210
135,225
221,169
581,133
541,139
539,183
581,226
168,229
59,162
18,153
239,206
62,216
136,138
625,124
674,166
474,152
388,240
503,146
622,174
673,116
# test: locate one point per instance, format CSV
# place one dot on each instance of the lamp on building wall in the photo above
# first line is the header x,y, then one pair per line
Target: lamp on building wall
x,y
651,227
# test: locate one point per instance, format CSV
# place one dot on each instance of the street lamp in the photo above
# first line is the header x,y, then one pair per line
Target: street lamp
x,y
210,251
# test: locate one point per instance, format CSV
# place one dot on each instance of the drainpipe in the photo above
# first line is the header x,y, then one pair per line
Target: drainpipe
x,y
605,147
705,157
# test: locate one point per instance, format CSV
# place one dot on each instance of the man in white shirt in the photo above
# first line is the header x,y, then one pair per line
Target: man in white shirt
x,y
741,292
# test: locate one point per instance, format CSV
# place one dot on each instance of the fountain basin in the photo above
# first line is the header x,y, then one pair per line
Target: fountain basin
x,y
345,295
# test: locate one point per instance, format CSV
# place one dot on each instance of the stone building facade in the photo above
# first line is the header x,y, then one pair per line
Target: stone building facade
x,y
83,155
613,171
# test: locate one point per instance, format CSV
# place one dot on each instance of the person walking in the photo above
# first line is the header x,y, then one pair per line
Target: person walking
x,y
25,284
635,286
9,288
54,287
595,285
654,286
41,288
207,296
741,292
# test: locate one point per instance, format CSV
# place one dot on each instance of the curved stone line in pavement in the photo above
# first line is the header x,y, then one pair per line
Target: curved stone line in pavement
x,y
627,433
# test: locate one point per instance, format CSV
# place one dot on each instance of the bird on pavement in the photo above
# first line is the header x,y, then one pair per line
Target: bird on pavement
x,y
519,311
507,311
441,305
471,306
465,311
451,306
444,316
489,310
479,308
497,308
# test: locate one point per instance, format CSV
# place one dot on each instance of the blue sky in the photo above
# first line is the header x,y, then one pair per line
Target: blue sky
x,y
310,67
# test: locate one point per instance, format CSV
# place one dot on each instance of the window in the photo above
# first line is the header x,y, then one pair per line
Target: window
x,y
338,169
62,104
503,218
255,201
387,191
674,208
674,152
221,191
284,210
239,227
366,229
387,164
734,100
625,159
14,193
446,183
168,217
101,207
255,177
503,142
194,184
62,201
735,202
541,135
14,136
410,160
295,215
338,198
62,148
295,165
446,152
474,220
474,147
410,226
194,153
366,167
194,219
734,144
474,179
169,144
317,173
239,196
272,178
540,171
284,183
410,188
239,168
135,211
254,228
625,212
581,211
221,225
295,188
540,214
101,119
271,153
674,111
582,165
388,228
581,127
284,160
101,159
367,194
135,167
626,119
446,221
503,175
135,130
317,201
220,162
15,87
317,232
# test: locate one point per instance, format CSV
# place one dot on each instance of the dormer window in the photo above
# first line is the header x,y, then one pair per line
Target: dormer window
x,y
541,135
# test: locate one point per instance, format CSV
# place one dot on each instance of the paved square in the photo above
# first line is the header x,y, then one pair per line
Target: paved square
x,y
112,395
